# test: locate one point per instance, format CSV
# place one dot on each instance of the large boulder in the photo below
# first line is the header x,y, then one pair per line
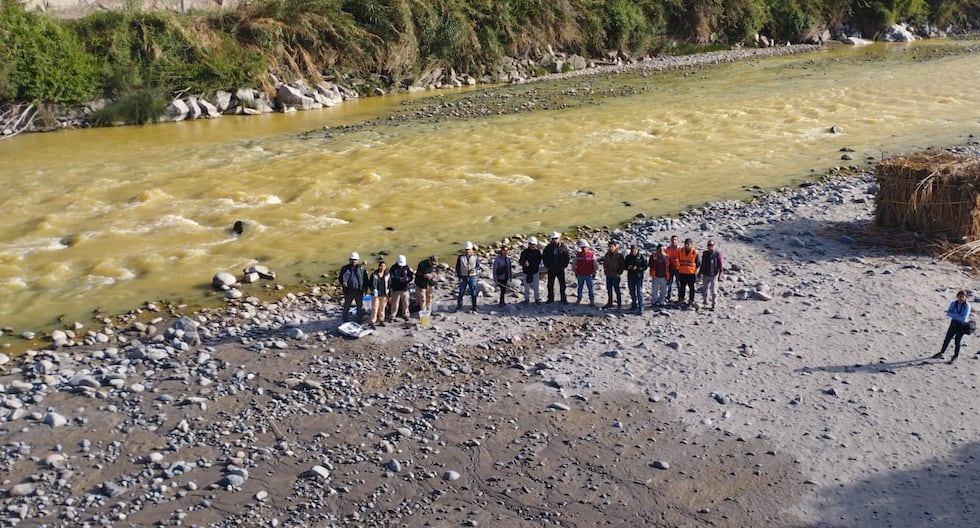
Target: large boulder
x,y
208,110
193,109
897,33
291,96
577,62
177,110
222,100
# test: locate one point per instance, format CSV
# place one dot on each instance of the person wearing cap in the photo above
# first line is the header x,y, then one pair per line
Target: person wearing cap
x,y
672,251
530,260
354,282
613,265
467,269
586,267
660,265
687,269
556,258
380,284
502,272
401,278
636,267
710,270
425,281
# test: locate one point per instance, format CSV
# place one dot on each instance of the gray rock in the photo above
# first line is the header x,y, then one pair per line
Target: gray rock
x,y
318,472
54,419
394,466
660,464
177,110
223,280
23,489
450,476
232,479
559,406
111,489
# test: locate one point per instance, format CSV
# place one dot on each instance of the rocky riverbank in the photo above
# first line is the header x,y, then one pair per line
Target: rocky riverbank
x,y
805,399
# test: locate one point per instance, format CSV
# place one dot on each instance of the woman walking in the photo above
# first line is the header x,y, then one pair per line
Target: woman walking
x,y
959,314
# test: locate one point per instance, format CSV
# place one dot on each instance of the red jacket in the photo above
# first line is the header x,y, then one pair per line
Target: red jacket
x,y
585,263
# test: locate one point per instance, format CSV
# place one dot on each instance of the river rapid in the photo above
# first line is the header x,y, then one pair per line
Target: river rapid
x,y
108,219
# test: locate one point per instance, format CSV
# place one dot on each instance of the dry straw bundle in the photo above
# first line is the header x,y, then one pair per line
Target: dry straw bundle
x,y
933,193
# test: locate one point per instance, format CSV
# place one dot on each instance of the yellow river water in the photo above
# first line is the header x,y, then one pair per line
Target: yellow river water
x,y
110,218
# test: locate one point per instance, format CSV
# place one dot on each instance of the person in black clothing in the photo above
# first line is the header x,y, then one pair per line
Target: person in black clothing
x,y
353,281
502,273
636,268
401,278
530,261
425,280
556,258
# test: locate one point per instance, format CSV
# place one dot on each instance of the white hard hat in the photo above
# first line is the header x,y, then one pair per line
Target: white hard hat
x,y
555,235
468,245
583,244
354,256
401,260
532,240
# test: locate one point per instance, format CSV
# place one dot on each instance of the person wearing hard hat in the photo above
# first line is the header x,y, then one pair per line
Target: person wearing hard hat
x,y
586,267
467,269
353,281
401,278
530,261
556,258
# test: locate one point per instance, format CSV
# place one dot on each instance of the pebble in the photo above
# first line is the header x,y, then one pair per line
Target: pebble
x,y
559,406
660,464
450,476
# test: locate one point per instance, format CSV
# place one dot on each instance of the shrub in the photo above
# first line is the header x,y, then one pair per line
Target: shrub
x,y
42,61
138,108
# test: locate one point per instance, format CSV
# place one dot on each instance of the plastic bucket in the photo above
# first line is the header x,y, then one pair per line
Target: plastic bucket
x,y
367,303
425,317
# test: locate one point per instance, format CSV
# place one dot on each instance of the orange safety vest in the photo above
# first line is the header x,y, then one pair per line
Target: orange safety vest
x,y
672,254
687,263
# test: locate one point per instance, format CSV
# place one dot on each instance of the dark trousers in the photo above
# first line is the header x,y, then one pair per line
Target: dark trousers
x,y
670,285
558,275
685,281
636,291
613,290
503,290
955,332
353,297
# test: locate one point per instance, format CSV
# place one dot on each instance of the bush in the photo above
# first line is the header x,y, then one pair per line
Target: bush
x,y
138,108
42,61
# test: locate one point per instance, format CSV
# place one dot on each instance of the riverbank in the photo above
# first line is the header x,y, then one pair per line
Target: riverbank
x,y
805,399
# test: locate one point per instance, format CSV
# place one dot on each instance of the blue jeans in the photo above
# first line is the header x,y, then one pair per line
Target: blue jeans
x,y
584,280
612,287
636,291
467,283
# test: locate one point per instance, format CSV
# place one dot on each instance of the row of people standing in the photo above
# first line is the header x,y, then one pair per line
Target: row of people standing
x,y
389,288
668,264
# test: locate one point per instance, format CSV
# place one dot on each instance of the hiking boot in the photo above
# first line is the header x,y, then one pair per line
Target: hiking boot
x,y
937,356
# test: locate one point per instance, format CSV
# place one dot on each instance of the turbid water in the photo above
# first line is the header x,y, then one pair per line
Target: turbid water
x,y
111,218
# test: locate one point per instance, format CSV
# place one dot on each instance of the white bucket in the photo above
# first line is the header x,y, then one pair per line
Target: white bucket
x,y
367,304
425,317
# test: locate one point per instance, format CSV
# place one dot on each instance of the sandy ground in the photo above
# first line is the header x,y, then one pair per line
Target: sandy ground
x,y
816,407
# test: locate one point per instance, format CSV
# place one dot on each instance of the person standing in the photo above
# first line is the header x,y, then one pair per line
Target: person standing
x,y
673,252
660,265
425,280
401,278
636,266
959,325
530,260
502,272
710,270
613,265
467,269
353,281
556,259
586,267
687,269
380,282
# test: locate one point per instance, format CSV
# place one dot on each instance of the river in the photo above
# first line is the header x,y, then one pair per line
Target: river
x,y
110,218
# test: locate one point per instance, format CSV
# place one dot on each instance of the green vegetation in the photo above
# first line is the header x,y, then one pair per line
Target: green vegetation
x,y
128,56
